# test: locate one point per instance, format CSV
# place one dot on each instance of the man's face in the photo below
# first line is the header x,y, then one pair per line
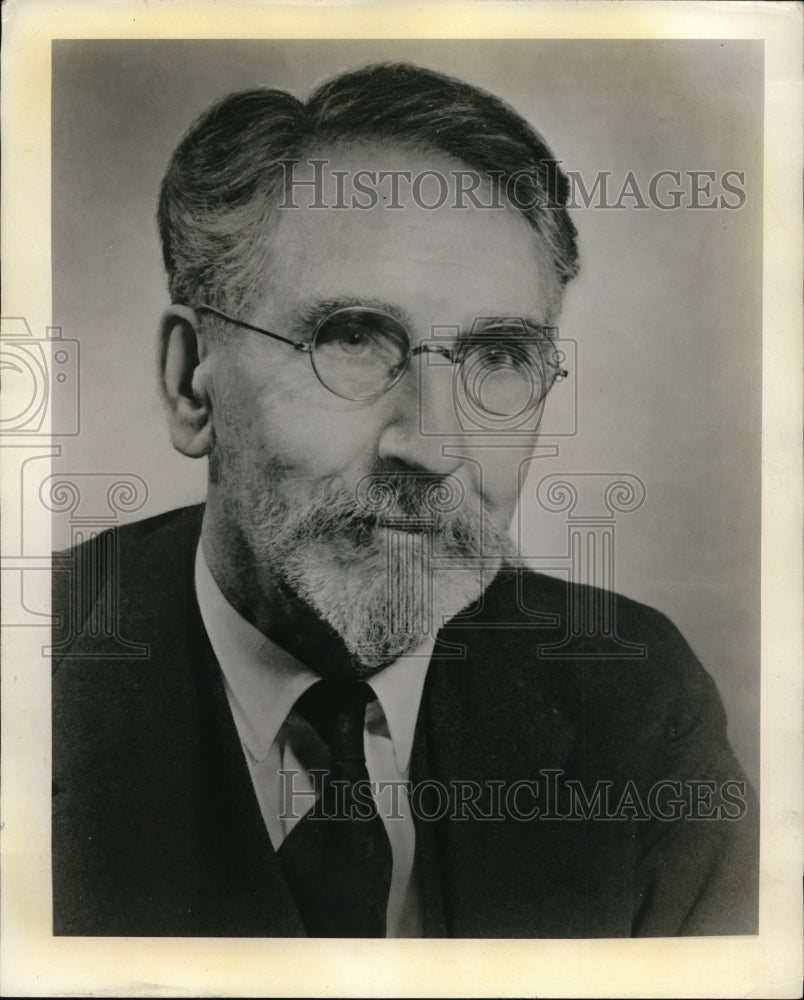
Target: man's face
x,y
297,466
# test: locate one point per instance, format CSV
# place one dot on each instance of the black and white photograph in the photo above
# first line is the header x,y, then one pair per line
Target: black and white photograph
x,y
398,424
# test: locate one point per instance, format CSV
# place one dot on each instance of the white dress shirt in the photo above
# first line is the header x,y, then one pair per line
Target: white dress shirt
x,y
263,682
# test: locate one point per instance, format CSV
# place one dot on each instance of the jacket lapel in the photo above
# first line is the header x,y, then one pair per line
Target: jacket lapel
x,y
245,892
490,734
481,753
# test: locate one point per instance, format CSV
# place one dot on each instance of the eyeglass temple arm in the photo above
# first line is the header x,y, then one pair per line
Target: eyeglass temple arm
x,y
300,345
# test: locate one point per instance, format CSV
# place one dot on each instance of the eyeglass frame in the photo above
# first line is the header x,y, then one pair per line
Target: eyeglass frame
x,y
306,347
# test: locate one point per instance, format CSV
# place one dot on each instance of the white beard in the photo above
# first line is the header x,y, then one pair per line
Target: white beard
x,y
385,604
382,585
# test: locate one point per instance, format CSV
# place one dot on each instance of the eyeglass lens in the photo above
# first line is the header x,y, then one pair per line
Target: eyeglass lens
x,y
360,353
504,376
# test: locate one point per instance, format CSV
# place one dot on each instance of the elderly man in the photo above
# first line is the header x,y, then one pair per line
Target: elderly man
x,y
353,719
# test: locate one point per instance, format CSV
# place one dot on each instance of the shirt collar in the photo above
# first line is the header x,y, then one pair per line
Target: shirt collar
x,y
264,681
399,691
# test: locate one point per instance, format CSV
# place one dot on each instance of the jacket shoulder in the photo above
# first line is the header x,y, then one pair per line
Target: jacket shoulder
x,y
595,654
108,574
172,526
596,623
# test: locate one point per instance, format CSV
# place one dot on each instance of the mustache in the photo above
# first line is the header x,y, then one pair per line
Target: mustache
x,y
409,501
410,496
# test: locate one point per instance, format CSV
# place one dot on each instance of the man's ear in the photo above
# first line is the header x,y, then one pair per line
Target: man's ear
x,y
188,402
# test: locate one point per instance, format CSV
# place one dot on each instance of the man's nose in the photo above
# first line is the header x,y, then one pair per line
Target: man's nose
x,y
419,417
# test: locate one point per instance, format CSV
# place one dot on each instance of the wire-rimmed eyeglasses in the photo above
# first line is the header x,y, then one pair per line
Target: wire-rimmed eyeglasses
x,y
359,353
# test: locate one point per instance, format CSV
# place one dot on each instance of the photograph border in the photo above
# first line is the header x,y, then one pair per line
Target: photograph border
x,y
36,963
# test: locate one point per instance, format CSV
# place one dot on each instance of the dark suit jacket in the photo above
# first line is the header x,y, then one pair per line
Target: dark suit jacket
x,y
156,827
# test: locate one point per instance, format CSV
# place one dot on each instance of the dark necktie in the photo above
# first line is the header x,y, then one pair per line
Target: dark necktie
x,y
337,859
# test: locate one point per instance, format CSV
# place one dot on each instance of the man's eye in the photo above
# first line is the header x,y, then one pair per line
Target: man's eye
x,y
352,338
354,341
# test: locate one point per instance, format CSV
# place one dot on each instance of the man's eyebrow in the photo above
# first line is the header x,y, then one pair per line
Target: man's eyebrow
x,y
513,325
307,315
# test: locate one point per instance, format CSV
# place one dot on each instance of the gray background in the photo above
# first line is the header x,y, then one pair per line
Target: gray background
x,y
666,314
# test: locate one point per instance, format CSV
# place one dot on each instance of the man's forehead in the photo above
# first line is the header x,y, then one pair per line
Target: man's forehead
x,y
344,231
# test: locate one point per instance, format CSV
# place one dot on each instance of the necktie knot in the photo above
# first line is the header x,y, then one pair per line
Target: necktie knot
x,y
337,711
